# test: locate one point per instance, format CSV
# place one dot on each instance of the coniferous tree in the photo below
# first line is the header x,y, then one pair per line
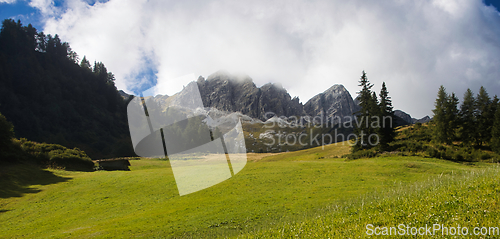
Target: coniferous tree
x,y
73,56
41,41
467,118
495,132
100,70
452,117
369,108
85,64
440,119
31,35
374,104
386,131
374,122
484,117
494,107
50,48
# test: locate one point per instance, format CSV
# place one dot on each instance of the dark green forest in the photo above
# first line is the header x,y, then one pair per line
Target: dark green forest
x,y
51,96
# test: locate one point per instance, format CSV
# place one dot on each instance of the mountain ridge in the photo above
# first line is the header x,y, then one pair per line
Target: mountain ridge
x,y
238,93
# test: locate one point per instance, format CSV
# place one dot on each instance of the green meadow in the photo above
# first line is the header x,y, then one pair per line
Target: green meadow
x,y
308,193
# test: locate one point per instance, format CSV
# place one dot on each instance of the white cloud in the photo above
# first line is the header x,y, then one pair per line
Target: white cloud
x,y
307,46
8,1
46,7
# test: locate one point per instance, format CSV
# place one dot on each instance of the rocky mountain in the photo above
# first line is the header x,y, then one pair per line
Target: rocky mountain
x,y
332,103
408,119
233,93
229,93
404,116
238,93
422,120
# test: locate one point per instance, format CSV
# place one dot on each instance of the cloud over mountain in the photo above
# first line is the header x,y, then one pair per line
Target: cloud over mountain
x,y
307,46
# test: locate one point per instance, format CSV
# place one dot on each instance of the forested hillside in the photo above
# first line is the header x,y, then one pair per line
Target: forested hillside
x,y
51,96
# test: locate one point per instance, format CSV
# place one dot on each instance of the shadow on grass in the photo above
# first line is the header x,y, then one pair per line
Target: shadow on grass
x,y
16,180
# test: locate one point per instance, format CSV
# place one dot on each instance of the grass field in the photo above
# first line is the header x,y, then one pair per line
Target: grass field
x,y
306,193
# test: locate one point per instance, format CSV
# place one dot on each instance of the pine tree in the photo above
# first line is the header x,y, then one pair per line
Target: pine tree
x,y
386,131
41,42
440,119
452,117
85,64
467,118
494,107
495,132
369,108
484,117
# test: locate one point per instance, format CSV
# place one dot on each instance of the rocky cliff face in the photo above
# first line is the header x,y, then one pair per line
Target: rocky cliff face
x,y
232,93
334,103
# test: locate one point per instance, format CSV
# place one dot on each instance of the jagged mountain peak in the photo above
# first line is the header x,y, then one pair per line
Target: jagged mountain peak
x,y
335,89
334,102
238,93
273,86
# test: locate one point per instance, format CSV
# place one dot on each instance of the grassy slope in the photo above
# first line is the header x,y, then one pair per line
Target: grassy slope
x,y
267,193
467,200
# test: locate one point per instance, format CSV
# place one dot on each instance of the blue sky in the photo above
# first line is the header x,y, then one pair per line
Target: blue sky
x,y
25,10
21,10
306,46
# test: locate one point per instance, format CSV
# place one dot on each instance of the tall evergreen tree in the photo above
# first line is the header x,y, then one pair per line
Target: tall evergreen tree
x,y
369,108
386,131
440,119
484,117
467,118
494,106
100,70
452,117
85,64
41,41
495,132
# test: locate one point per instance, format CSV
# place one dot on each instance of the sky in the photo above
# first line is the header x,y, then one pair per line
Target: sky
x,y
307,46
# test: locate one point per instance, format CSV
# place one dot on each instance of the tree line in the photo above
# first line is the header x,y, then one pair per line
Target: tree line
x,y
476,123
51,96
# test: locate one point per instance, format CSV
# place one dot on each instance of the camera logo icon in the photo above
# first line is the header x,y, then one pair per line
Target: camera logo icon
x,y
203,150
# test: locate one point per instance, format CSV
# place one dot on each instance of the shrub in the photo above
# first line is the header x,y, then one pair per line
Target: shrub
x,y
71,159
367,153
485,156
54,155
459,156
432,152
